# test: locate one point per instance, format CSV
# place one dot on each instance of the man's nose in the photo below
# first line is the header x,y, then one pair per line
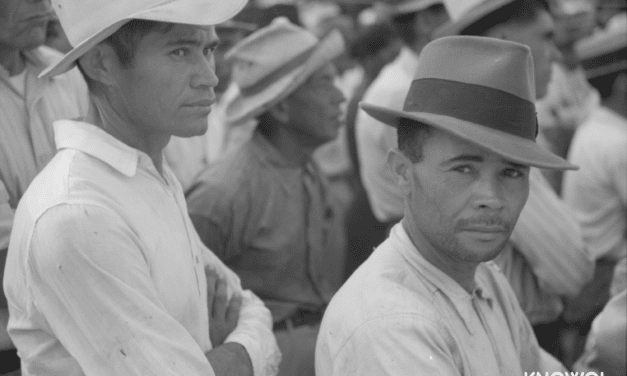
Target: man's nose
x,y
488,193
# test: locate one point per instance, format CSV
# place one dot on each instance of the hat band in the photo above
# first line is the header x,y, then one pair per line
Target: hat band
x,y
277,74
492,108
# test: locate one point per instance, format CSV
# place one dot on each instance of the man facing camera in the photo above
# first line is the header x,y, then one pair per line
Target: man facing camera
x,y
105,273
428,300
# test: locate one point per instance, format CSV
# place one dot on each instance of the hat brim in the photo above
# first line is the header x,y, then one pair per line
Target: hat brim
x,y
244,107
510,147
473,16
190,12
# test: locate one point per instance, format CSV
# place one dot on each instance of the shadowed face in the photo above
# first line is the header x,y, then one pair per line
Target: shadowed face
x,y
462,201
23,23
314,108
168,88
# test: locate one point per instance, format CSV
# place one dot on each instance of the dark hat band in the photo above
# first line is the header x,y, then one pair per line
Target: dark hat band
x,y
492,108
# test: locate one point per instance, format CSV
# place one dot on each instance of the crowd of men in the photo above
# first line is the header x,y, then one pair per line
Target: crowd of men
x,y
331,188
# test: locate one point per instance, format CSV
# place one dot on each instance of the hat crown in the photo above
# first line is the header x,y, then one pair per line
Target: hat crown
x,y
488,62
82,19
269,49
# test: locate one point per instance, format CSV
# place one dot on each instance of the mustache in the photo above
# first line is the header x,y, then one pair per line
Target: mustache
x,y
484,220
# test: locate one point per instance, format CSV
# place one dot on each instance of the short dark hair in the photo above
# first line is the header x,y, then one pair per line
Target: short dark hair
x,y
518,11
126,39
411,138
605,84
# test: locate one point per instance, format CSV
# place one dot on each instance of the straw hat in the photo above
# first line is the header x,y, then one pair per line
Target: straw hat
x,y
604,52
465,13
89,22
272,62
481,90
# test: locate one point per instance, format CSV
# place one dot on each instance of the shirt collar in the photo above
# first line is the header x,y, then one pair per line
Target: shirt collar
x,y
85,137
438,280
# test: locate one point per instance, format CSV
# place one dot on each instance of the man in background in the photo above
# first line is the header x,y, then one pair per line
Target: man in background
x,y
28,106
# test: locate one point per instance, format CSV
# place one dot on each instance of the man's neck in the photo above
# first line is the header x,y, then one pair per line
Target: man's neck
x,y
12,60
104,116
290,146
462,272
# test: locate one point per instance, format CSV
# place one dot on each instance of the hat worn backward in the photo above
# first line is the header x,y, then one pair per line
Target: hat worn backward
x,y
272,62
89,22
465,13
480,90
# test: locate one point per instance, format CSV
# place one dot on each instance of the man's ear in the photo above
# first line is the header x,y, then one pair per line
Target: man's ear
x,y
401,168
99,64
280,111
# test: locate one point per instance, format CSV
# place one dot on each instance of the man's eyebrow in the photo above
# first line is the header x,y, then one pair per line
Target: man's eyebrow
x,y
516,165
464,158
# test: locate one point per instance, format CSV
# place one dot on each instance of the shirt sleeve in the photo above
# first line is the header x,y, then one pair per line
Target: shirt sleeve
x,y
550,239
90,280
396,345
254,328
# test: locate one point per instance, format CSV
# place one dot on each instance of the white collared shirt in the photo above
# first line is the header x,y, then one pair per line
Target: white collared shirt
x,y
105,272
400,315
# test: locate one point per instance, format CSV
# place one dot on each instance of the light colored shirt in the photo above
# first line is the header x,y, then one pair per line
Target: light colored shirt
x,y
26,135
105,273
400,315
374,139
549,259
269,221
6,218
606,345
598,190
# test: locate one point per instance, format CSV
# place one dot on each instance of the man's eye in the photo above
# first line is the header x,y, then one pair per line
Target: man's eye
x,y
179,52
463,169
514,173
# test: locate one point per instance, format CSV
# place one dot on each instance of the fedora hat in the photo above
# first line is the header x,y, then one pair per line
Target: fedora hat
x,y
89,22
480,90
465,13
272,62
605,51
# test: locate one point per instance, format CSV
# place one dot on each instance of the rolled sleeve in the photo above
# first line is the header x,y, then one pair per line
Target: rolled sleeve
x,y
91,282
254,328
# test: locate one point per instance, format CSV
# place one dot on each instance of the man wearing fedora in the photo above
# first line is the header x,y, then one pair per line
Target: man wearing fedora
x,y
547,259
105,272
428,300
415,21
264,208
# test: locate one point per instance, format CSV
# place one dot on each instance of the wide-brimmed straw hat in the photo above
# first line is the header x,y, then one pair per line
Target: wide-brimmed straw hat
x,y
89,22
465,13
480,90
604,52
272,62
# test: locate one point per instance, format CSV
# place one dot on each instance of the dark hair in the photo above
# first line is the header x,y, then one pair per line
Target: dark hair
x,y
370,40
605,84
518,11
405,27
411,138
126,39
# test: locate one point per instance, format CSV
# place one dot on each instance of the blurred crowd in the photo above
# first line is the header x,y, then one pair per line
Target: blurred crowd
x,y
293,213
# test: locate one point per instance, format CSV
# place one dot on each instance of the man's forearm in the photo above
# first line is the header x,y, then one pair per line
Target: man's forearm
x,y
230,359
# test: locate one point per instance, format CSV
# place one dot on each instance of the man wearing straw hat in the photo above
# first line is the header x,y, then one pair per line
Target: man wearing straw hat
x,y
415,20
428,300
547,259
105,273
264,208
